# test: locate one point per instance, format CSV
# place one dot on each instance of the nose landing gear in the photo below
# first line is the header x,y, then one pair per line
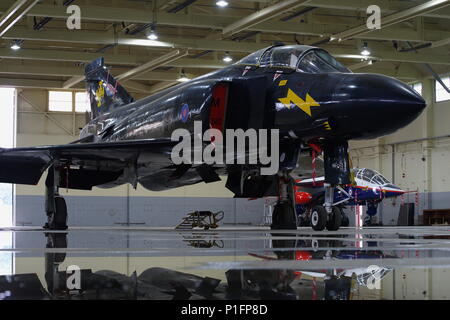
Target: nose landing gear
x,y
337,173
321,219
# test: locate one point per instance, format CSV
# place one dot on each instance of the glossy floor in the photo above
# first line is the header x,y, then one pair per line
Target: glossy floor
x,y
227,263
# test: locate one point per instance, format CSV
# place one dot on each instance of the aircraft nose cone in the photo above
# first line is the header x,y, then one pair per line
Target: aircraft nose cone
x,y
378,105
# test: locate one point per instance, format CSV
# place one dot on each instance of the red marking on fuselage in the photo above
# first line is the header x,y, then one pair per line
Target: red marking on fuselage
x,y
218,107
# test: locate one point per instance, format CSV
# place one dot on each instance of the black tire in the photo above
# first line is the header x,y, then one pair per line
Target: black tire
x,y
284,217
59,219
335,219
318,218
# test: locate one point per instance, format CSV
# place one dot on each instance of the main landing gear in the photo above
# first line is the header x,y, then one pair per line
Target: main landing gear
x,y
284,216
55,205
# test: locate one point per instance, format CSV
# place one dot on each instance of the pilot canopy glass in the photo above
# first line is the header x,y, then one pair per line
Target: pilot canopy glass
x,y
282,56
372,176
296,57
320,61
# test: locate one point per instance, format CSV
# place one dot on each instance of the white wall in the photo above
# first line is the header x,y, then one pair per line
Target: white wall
x,y
422,165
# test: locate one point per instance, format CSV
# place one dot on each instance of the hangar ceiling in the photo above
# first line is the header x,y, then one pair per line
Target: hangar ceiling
x,y
194,35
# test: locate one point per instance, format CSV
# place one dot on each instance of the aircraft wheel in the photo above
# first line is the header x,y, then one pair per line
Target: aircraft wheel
x,y
335,219
318,218
284,217
58,219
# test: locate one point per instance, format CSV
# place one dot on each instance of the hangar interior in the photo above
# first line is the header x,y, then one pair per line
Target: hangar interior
x,y
125,229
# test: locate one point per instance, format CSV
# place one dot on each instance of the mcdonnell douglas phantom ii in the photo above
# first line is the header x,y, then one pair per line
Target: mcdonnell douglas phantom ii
x,y
302,91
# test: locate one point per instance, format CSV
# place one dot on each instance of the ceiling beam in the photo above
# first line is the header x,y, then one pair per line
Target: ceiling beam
x,y
106,38
129,15
14,14
393,19
72,81
261,16
60,71
403,71
424,56
394,56
215,22
140,87
13,9
91,37
440,43
360,65
161,86
153,64
387,7
30,83
56,85
113,59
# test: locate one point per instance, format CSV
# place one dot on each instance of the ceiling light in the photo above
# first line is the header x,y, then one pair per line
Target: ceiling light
x,y
222,3
15,45
365,50
183,77
152,35
227,57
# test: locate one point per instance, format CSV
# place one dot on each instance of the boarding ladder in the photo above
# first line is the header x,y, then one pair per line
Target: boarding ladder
x,y
200,219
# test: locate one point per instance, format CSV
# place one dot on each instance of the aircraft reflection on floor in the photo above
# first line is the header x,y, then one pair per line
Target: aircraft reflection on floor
x,y
339,283
165,284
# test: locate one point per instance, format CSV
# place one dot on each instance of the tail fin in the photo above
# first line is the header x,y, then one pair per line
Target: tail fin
x,y
105,92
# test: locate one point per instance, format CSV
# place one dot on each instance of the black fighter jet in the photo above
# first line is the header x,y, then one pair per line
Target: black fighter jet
x,y
312,99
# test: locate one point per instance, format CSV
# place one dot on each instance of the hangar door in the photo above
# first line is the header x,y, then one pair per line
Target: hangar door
x,y
7,139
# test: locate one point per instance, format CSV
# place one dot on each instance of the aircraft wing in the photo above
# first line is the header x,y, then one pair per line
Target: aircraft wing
x,y
100,162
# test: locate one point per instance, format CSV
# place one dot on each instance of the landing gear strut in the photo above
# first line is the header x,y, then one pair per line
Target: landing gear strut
x,y
337,172
284,216
55,205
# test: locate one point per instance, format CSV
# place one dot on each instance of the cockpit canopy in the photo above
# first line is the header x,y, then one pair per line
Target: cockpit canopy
x,y
297,58
371,176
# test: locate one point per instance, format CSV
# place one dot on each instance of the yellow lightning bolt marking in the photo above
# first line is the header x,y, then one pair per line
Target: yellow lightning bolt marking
x,y
299,102
327,125
100,93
